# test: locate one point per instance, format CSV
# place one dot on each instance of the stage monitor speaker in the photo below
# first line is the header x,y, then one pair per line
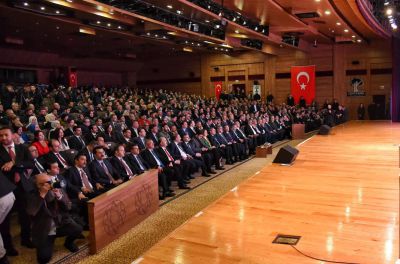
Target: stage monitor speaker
x,y
286,155
324,130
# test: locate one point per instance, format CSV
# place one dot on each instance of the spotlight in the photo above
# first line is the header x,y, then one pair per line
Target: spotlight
x,y
57,12
98,22
170,6
26,4
42,8
389,11
327,12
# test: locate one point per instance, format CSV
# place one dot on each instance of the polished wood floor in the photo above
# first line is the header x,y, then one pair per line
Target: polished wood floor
x,y
341,196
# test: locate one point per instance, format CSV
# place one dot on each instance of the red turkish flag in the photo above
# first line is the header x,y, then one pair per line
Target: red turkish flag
x,y
73,82
218,89
303,83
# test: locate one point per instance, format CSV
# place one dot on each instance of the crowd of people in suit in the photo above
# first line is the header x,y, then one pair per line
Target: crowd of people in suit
x,y
64,146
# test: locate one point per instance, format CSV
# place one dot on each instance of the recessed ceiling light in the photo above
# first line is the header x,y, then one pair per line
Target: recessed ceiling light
x,y
42,8
170,6
327,12
333,31
179,12
389,11
346,30
148,33
338,23
317,0
98,22
353,36
119,27
108,25
207,21
237,31
156,35
359,40
57,12
69,1
26,4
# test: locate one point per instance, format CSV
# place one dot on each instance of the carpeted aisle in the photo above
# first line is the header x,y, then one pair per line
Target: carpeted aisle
x,y
173,214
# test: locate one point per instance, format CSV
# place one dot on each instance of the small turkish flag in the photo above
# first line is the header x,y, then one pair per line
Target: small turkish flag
x,y
218,89
303,83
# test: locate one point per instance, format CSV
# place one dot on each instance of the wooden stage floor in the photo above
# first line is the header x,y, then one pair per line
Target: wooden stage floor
x,y
341,196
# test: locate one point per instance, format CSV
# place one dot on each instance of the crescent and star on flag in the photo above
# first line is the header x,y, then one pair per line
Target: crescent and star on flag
x,y
303,85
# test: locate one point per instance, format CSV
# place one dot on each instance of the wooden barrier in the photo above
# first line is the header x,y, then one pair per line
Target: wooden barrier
x,y
263,151
115,212
298,131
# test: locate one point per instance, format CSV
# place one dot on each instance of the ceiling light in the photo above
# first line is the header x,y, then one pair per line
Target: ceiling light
x,y
317,0
208,42
346,30
327,12
156,35
57,12
69,1
338,23
353,36
98,22
26,4
119,27
234,19
244,22
164,37
148,33
359,40
256,28
179,12
207,21
237,31
386,3
170,6
42,8
389,11
217,26
108,25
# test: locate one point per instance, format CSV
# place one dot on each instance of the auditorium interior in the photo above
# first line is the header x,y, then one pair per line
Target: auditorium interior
x,y
199,131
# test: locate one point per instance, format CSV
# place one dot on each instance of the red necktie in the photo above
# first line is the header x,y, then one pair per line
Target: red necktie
x,y
17,176
169,155
64,163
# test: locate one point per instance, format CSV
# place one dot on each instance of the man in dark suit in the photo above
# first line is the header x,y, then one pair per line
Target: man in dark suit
x,y
201,142
135,128
239,147
49,208
69,131
126,137
16,163
181,170
223,147
135,161
196,153
76,142
119,163
55,155
102,171
165,174
141,139
153,134
94,131
177,152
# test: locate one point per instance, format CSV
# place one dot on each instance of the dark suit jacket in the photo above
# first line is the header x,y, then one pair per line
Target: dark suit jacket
x,y
148,157
51,157
118,167
174,151
75,184
139,142
75,143
154,138
163,156
23,161
98,173
130,159
68,132
192,150
44,211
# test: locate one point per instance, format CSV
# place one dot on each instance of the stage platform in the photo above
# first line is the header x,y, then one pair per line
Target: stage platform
x,y
341,196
